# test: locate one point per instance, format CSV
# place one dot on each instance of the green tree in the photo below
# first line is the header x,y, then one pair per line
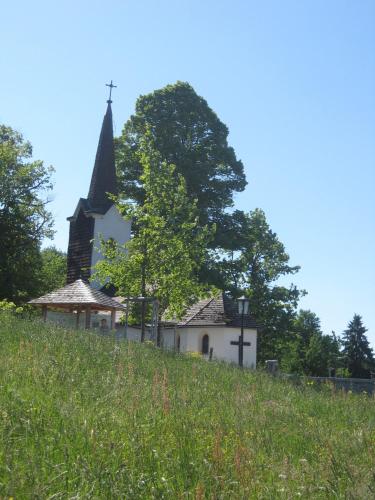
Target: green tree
x,y
323,353
53,271
24,219
309,351
168,246
190,136
254,266
356,349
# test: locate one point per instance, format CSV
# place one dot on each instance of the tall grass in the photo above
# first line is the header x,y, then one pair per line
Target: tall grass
x,y
83,416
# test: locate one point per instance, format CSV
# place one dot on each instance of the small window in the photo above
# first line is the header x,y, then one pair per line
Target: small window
x,y
205,344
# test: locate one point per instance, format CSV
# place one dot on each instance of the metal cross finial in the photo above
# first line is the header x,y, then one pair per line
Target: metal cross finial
x,y
111,86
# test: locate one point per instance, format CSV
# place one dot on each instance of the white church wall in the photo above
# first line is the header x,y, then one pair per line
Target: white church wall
x,y
190,338
223,350
132,333
109,225
219,339
169,338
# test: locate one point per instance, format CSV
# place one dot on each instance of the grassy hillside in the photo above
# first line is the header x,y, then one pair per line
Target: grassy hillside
x,y
86,417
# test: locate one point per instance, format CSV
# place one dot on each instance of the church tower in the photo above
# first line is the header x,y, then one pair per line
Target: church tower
x,y
96,216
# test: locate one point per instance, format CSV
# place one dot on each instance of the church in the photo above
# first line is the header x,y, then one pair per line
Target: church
x,y
215,327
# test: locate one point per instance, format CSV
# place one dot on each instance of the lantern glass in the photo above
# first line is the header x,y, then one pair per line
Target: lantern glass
x,y
243,305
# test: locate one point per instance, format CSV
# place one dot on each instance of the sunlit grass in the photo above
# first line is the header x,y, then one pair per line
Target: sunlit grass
x,y
88,417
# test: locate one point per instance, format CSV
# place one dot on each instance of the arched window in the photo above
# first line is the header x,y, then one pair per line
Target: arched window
x,y
178,343
205,344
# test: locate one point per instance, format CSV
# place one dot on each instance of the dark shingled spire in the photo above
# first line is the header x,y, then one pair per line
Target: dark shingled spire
x,y
103,178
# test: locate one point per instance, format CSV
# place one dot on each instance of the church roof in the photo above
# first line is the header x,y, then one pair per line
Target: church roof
x,y
78,293
103,178
216,311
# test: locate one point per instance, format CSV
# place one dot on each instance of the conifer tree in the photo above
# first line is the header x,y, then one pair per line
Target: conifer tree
x,y
356,348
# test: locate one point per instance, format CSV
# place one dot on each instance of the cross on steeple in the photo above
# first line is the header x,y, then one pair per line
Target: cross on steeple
x,y
111,86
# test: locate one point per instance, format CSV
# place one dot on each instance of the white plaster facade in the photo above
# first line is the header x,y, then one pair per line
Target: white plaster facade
x,y
109,225
69,319
220,338
191,338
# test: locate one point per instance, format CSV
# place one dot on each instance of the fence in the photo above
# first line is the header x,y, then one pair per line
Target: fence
x,y
357,385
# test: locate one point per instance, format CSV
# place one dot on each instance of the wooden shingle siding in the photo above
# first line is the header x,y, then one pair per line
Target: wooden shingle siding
x,y
81,234
103,180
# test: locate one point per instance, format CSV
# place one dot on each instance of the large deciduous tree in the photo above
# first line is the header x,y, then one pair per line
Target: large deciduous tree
x,y
188,134
24,218
356,349
168,246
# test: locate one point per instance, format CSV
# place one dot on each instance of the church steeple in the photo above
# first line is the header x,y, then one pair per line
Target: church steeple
x,y
96,217
103,178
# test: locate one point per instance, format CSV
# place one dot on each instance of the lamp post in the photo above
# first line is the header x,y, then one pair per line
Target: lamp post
x,y
243,308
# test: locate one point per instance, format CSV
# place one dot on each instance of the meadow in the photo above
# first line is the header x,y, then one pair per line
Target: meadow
x,y
82,416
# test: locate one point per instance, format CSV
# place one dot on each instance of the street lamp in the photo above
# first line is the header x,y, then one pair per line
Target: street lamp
x,y
243,305
243,308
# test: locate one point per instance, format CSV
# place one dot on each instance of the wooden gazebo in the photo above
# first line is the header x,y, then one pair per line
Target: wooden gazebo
x,y
79,296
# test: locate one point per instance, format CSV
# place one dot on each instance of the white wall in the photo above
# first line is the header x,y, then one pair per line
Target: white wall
x,y
109,225
190,338
69,320
219,339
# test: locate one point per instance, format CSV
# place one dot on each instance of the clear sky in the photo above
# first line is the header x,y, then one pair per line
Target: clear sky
x,y
293,80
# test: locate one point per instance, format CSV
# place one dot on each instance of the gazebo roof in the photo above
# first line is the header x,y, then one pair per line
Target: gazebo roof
x,y
78,293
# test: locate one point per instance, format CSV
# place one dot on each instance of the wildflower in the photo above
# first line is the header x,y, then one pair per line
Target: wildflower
x,y
194,354
282,476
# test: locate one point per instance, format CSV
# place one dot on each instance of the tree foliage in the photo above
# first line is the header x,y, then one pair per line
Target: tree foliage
x,y
356,349
254,267
53,271
190,136
168,246
24,218
309,351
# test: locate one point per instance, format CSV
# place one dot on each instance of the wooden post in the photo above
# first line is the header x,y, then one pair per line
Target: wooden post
x,y
126,318
88,317
143,321
44,313
113,319
77,317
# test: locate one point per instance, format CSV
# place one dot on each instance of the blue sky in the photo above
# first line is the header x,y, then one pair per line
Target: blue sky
x,y
293,80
